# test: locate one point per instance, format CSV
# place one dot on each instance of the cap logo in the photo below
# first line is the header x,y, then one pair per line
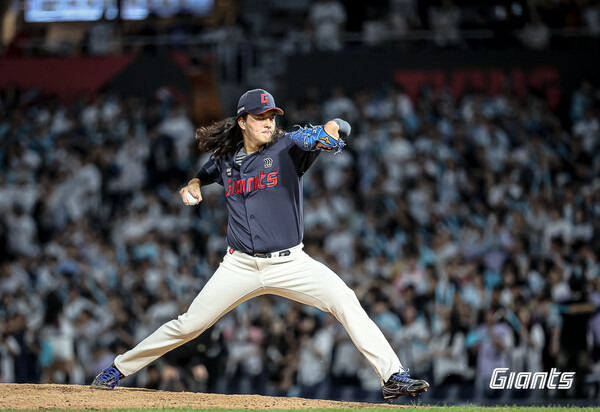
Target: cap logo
x,y
256,101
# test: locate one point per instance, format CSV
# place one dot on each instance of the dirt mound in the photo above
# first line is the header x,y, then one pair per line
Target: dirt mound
x,y
43,397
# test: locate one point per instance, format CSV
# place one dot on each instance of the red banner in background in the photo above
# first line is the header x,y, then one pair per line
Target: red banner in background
x,y
68,78
491,80
146,75
555,74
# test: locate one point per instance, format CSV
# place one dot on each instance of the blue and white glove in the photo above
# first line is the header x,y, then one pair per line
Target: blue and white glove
x,y
316,138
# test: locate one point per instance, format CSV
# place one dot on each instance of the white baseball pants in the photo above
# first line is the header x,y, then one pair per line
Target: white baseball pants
x,y
241,277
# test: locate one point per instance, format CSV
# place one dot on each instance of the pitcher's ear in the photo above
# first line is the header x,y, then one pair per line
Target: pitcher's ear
x,y
242,123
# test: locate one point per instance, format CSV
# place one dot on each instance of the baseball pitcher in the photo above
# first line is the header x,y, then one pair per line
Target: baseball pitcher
x,y
261,168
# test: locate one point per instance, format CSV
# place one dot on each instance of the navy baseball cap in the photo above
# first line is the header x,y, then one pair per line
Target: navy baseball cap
x,y
256,101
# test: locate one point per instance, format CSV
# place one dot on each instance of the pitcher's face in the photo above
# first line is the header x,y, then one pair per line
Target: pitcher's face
x,y
257,129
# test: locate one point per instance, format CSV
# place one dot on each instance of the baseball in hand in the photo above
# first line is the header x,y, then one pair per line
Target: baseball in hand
x,y
191,199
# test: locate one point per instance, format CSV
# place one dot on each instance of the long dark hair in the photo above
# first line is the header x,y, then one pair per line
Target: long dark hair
x,y
222,138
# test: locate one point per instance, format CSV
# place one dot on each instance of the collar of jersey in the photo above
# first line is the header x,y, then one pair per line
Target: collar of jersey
x,y
259,151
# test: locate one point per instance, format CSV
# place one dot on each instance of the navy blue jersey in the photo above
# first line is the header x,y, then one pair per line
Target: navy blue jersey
x,y
264,195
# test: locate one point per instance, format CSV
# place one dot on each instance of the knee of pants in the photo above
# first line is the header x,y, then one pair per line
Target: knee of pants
x,y
343,299
185,325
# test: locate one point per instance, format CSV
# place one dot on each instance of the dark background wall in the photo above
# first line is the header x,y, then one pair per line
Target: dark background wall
x,y
553,73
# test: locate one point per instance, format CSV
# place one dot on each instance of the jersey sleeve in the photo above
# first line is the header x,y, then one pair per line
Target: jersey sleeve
x,y
301,158
210,173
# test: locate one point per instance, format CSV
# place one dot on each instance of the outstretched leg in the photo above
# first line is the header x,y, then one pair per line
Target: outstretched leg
x,y
308,281
234,282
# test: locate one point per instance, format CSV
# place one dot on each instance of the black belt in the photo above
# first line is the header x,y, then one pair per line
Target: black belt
x,y
270,255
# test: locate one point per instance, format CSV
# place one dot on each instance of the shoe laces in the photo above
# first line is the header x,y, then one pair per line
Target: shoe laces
x,y
109,373
402,377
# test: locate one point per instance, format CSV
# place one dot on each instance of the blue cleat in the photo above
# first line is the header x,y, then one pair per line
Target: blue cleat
x,y
108,378
400,384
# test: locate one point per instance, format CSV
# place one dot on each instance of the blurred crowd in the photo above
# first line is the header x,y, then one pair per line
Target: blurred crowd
x,y
469,228
327,25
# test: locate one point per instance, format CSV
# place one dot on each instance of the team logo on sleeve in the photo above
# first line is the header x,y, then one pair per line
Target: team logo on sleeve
x,y
268,162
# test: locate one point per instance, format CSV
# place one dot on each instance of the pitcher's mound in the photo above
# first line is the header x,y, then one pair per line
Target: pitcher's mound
x,y
42,397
